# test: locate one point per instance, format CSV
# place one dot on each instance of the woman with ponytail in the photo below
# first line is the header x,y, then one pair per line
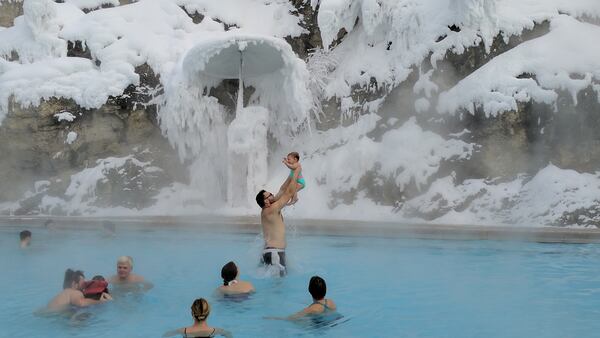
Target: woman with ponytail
x,y
231,284
200,312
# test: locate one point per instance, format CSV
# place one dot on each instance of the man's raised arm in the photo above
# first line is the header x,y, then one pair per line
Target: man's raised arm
x,y
283,187
289,191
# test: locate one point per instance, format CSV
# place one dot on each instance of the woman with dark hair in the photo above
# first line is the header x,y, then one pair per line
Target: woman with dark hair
x,y
320,305
231,284
200,312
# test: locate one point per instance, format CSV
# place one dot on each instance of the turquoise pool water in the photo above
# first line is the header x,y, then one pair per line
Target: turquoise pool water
x,y
384,287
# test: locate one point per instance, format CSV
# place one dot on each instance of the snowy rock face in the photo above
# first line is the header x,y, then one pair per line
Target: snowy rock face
x,y
450,111
35,143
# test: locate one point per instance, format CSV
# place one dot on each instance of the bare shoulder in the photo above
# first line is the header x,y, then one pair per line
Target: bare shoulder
x,y
247,286
331,304
136,278
313,308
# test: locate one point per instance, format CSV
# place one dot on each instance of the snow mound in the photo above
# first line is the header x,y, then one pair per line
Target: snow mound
x,y
541,200
257,16
64,116
73,78
71,137
534,70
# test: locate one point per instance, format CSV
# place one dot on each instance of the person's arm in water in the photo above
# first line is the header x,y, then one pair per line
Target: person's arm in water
x,y
222,332
290,190
146,285
300,314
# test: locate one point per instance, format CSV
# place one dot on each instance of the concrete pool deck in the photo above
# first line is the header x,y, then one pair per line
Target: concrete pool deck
x,y
324,228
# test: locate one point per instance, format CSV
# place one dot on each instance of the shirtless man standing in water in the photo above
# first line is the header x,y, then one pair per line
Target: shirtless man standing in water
x,y
272,222
126,279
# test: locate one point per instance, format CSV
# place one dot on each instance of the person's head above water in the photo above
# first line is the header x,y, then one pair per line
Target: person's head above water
x,y
109,227
124,266
25,237
200,309
95,288
317,288
293,157
264,199
73,279
229,272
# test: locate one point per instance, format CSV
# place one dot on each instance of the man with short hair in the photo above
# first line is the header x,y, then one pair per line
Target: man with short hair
x,y
272,222
72,295
124,277
25,237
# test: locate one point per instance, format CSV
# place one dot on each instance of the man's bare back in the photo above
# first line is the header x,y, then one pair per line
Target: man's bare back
x,y
65,299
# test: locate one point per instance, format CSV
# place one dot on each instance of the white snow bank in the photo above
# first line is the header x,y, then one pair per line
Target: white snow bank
x,y
541,200
64,116
556,61
92,4
272,18
387,38
81,192
396,156
336,160
122,37
71,137
72,78
34,35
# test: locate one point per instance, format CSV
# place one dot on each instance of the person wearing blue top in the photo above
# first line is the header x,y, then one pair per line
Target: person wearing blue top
x,y
292,161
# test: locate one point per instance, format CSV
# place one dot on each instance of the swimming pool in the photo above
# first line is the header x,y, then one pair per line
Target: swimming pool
x,y
384,287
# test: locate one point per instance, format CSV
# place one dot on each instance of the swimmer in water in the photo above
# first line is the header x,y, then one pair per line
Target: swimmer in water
x,y
124,276
25,237
320,305
272,222
72,294
200,312
109,228
231,284
95,288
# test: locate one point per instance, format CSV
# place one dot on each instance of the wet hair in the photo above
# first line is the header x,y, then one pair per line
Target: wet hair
x,y
71,276
294,155
229,272
317,287
125,259
200,309
25,234
260,198
98,277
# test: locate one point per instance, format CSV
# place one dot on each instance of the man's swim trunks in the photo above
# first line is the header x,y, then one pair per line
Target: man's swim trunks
x,y
276,258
